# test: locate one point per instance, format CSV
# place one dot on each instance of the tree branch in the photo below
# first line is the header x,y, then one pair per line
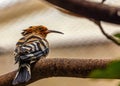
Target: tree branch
x,y
97,11
45,68
112,38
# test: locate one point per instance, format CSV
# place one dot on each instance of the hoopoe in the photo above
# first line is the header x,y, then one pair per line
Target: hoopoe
x,y
29,49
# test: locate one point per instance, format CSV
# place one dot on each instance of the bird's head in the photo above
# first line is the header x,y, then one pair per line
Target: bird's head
x,y
39,30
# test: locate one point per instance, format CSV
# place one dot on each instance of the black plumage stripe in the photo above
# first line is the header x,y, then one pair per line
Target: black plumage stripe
x,y
42,43
33,37
21,41
38,46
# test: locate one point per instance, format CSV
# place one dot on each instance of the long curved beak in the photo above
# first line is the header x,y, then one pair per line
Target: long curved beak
x,y
54,31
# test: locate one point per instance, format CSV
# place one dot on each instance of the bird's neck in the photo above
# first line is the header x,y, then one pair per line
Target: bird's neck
x,y
39,35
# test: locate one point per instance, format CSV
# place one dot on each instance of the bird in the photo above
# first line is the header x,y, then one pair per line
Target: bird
x,y
32,47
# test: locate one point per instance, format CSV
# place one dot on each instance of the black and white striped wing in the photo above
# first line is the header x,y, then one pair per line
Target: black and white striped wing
x,y
32,50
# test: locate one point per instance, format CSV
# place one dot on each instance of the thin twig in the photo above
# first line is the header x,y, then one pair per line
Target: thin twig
x,y
103,1
97,11
79,68
110,37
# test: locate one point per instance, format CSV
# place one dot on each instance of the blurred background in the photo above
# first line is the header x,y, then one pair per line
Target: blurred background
x,y
81,39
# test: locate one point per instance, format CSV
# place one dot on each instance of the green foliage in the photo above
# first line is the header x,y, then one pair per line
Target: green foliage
x,y
112,71
117,35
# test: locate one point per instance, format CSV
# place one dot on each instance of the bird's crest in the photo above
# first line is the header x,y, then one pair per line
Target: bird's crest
x,y
34,29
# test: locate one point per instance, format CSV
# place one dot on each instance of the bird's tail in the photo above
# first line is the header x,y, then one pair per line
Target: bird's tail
x,y
23,74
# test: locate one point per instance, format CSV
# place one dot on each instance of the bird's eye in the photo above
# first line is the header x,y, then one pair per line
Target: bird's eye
x,y
41,29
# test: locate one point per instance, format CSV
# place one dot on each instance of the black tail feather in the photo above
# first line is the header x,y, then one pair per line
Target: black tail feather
x,y
23,75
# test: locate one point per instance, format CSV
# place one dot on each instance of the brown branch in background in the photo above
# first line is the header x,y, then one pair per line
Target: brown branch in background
x,y
79,68
97,11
